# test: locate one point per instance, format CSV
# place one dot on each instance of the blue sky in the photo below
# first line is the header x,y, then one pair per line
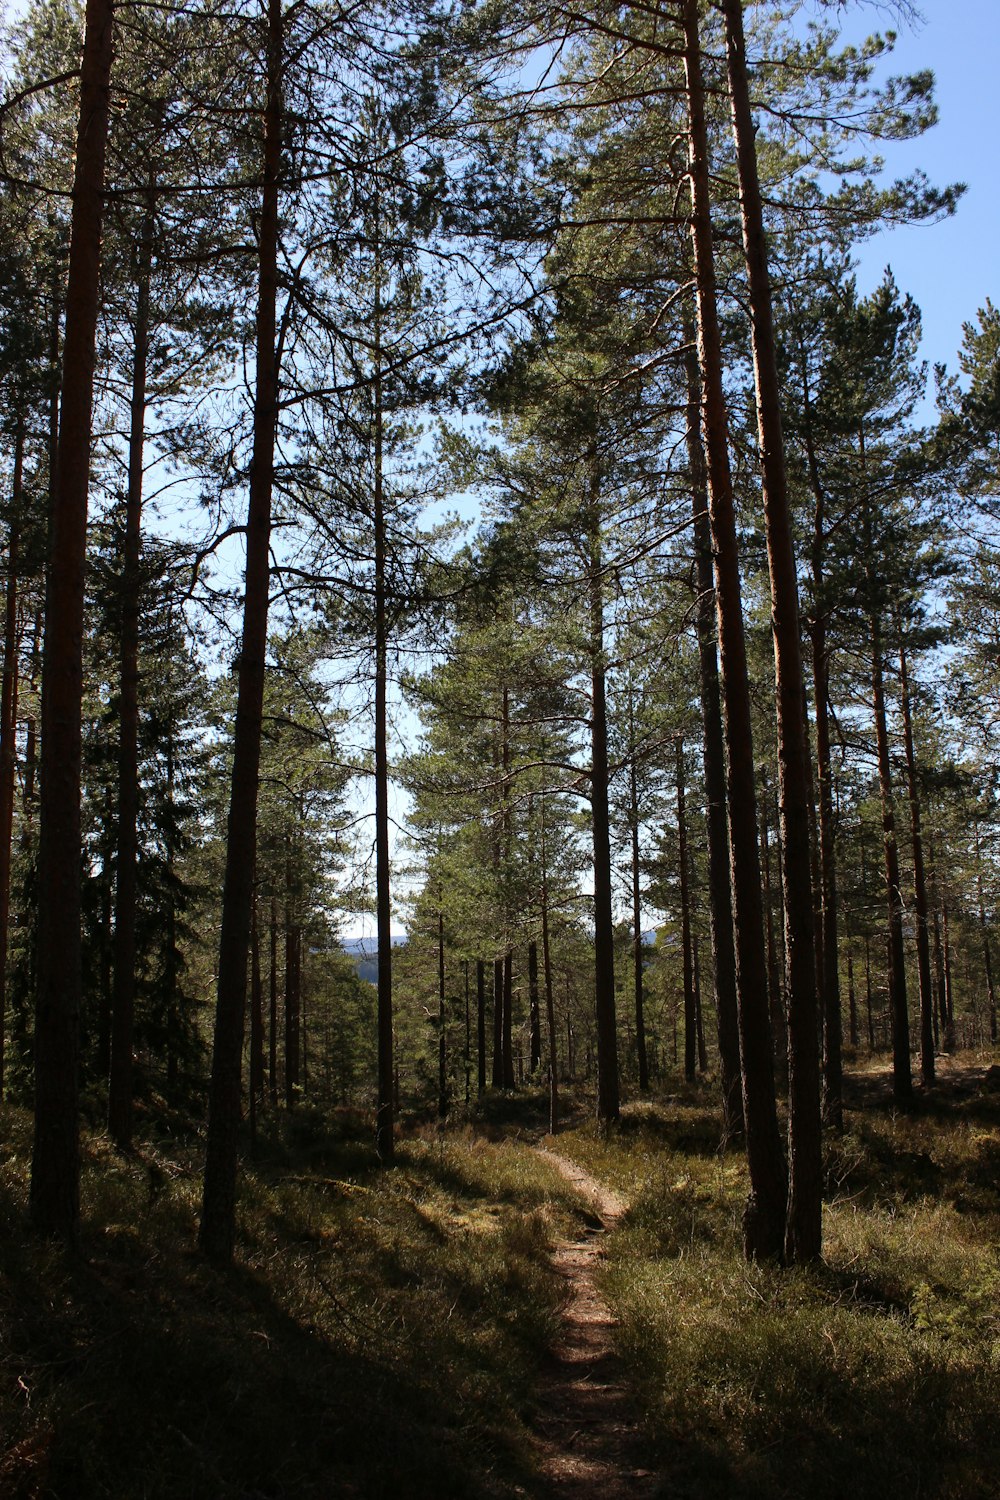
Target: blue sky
x,y
952,267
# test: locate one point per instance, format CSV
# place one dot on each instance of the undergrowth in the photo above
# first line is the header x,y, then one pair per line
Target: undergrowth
x,y
379,1334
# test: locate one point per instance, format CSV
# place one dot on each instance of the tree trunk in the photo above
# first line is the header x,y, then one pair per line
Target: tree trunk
x,y
272,1033
991,997
803,1238
698,1017
55,1166
534,1013
442,1041
608,1090
384,1120
690,1020
829,972
468,1039
8,724
919,881
550,1007
120,1081
256,1025
481,1021
852,1003
218,1222
902,1081
764,1217
775,989
293,1002
508,1001
497,1076
714,757
637,944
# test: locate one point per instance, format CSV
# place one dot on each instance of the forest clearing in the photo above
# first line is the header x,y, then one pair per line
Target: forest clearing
x,y
499,744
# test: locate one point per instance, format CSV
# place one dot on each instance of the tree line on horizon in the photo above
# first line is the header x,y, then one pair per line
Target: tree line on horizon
x,y
286,283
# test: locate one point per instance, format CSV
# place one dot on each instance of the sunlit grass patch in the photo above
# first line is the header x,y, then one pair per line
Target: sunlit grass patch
x,y
379,1334
873,1374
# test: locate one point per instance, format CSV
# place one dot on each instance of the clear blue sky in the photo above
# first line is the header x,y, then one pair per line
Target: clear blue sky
x,y
952,267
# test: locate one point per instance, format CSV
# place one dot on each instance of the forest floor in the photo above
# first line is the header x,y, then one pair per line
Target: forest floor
x,y
587,1425
504,1316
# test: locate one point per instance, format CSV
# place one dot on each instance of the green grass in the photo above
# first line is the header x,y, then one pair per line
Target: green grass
x,y
874,1374
379,1335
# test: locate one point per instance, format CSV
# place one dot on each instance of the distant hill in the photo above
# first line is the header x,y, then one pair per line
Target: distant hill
x,y
364,952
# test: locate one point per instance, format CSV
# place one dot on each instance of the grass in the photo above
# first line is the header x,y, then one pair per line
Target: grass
x,y
382,1333
379,1335
874,1374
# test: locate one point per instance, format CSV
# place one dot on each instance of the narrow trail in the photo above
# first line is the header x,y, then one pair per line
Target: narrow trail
x,y
587,1430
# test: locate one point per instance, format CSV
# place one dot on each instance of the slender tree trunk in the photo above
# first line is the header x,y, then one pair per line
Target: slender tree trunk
x,y
55,1167
468,1039
775,990
829,971
550,1007
272,1020
497,1077
481,1022
698,1017
690,1020
30,735
384,1123
218,1222
173,956
608,1089
534,1012
442,1040
902,1081
256,1024
803,1238
637,944
764,1218
508,1001
8,724
868,996
120,1081
714,756
293,1000
852,1002
919,881
991,997
949,994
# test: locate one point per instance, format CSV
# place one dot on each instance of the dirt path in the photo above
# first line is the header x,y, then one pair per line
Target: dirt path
x,y
586,1428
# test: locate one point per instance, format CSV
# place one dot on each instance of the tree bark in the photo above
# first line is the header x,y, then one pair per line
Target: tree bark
x,y
803,1237
765,1212
508,1019
608,1089
902,1080
120,1080
550,1006
293,998
690,1019
384,1123
481,1021
764,1217
218,1222
497,1075
714,759
534,1012
8,724
919,881
55,1166
442,1042
272,1019
637,944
